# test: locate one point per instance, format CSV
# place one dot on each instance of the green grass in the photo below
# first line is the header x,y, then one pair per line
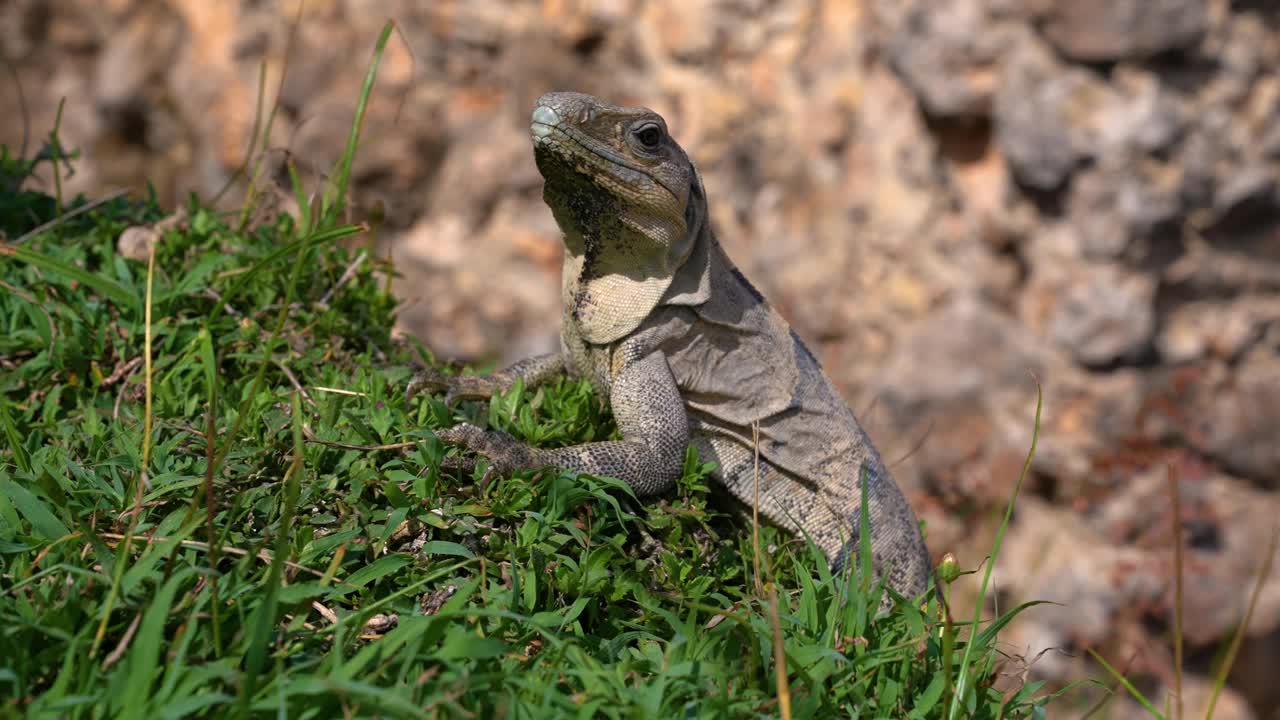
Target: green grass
x,y
538,593
214,503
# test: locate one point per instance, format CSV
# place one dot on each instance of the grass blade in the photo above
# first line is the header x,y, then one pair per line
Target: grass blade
x,y
1142,700
262,626
140,480
331,205
15,440
105,286
1268,560
964,683
43,522
144,656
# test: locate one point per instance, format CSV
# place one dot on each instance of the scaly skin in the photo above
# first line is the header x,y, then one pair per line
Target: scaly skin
x,y
657,317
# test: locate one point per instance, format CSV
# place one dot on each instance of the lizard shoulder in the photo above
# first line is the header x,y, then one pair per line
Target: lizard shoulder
x,y
733,355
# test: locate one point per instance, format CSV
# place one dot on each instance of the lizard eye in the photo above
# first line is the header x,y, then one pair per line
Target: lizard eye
x,y
649,135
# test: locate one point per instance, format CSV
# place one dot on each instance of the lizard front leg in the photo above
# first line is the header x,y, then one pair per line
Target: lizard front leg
x,y
534,371
655,430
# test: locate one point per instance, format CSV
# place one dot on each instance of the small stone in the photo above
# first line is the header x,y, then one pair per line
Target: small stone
x,y
987,347
948,52
1247,196
1198,158
684,29
1196,330
1139,115
136,241
1107,30
381,623
1239,419
1104,314
1034,122
1112,205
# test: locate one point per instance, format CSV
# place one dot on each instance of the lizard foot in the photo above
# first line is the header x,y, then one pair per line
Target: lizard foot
x,y
505,453
455,387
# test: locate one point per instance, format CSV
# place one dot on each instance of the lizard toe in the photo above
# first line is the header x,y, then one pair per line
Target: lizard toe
x,y
504,452
463,434
455,387
427,379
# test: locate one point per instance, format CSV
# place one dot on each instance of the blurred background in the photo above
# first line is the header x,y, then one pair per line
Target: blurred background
x,y
947,198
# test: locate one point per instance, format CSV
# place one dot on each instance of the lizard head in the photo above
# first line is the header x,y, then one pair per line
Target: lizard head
x,y
628,202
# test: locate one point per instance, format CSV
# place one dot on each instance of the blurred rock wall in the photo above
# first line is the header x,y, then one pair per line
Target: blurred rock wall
x,y
949,199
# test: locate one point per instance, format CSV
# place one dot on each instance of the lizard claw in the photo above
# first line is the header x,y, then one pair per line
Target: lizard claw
x,y
428,379
455,387
505,453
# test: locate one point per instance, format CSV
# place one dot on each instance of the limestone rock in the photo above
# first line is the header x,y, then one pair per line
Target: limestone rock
x,y
1239,419
1035,104
948,52
1103,315
1106,30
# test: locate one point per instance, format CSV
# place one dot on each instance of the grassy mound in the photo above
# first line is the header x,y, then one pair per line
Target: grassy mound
x,y
253,521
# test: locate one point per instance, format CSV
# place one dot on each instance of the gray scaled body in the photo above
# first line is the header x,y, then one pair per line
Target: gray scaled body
x,y
686,350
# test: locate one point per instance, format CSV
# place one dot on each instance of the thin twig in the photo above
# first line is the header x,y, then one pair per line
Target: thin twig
x,y
755,507
215,296
65,217
1110,692
115,409
337,391
779,656
142,482
121,371
263,555
325,612
311,437
56,142
347,274
779,652
915,447
22,106
1176,495
123,645
210,507
293,380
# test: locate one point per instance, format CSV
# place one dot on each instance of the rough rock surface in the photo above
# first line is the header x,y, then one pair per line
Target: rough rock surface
x,y
1113,30
946,197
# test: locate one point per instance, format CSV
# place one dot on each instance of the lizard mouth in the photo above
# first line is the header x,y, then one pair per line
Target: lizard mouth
x,y
560,148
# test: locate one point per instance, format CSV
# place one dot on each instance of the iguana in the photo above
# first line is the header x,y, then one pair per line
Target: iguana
x,y
685,349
